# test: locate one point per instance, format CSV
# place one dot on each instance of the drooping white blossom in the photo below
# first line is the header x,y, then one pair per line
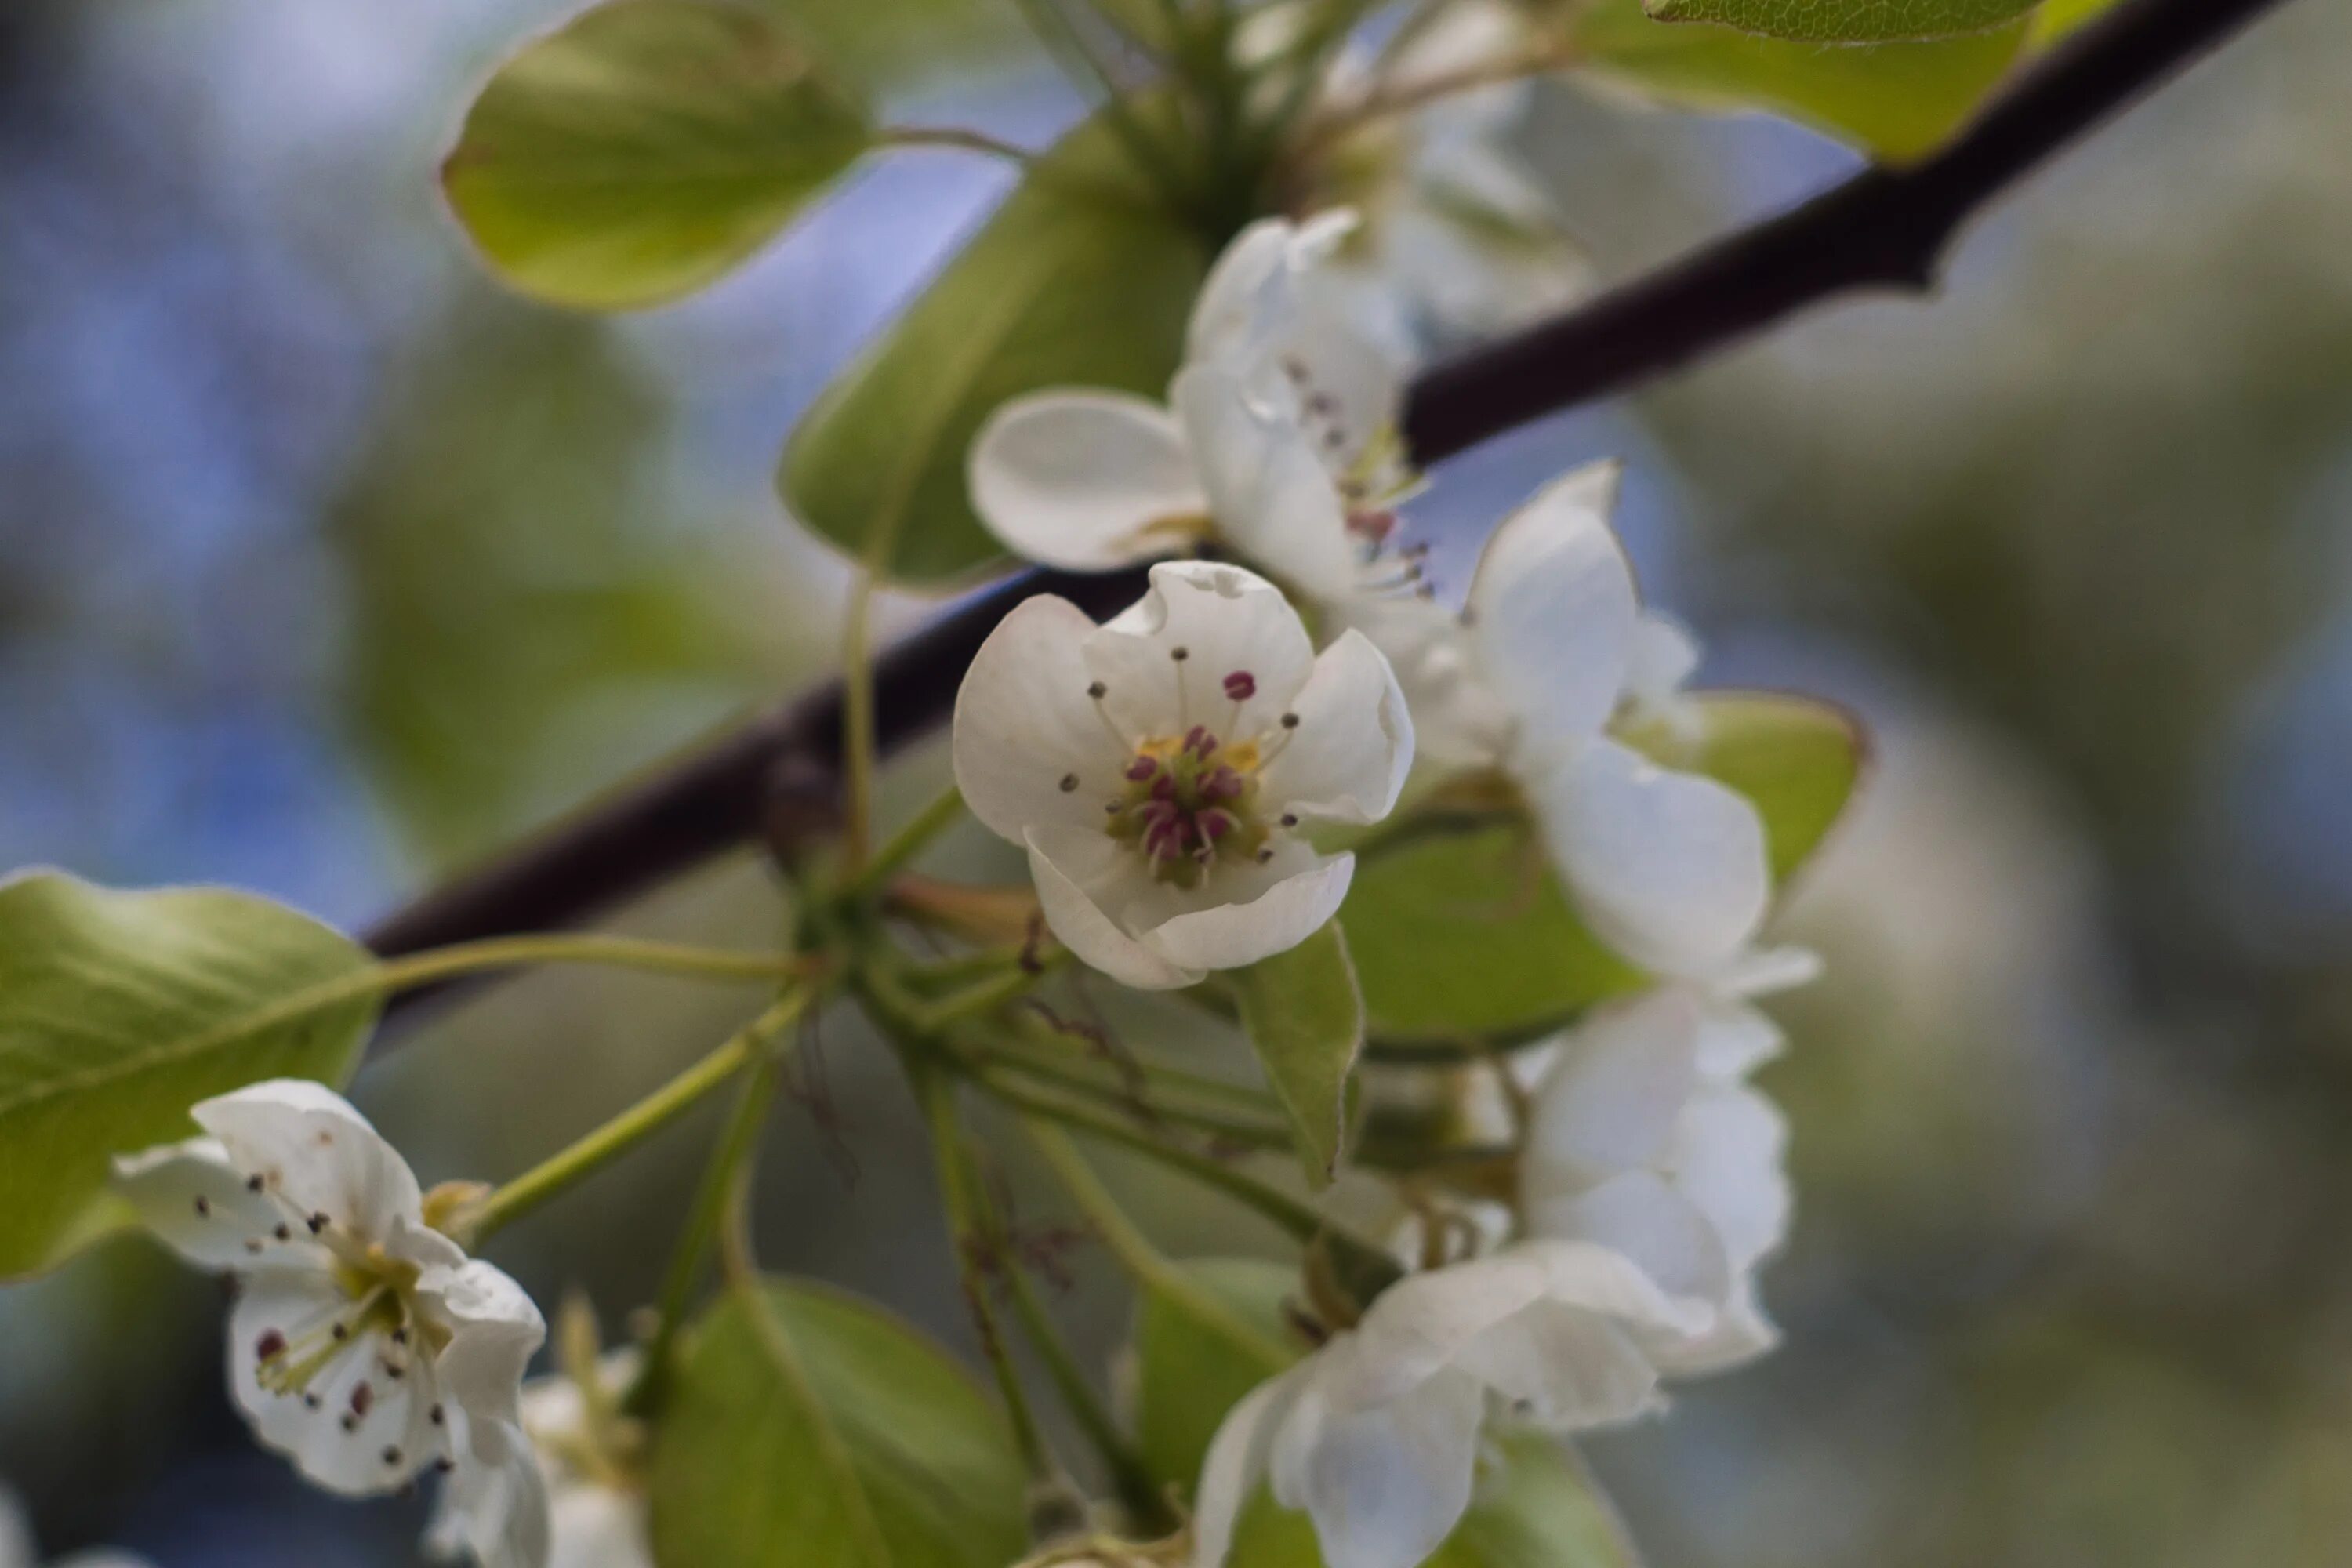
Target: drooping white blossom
x,y
1277,440
1551,645
1376,1434
18,1550
596,1505
1645,1136
365,1346
1161,769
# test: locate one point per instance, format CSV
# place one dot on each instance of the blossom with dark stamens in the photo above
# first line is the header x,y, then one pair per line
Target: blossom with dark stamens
x,y
1195,868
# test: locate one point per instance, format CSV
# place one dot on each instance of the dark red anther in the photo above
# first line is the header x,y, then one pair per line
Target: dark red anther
x,y
1241,685
1141,769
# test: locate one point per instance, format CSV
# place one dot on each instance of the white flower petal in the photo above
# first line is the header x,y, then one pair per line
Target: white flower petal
x,y
1064,861
1458,721
16,1547
1419,1325
596,1527
1762,970
1236,1462
495,1504
1268,488
198,1203
1024,724
1739,1333
1085,481
353,1426
1614,1093
1735,1039
1348,757
1669,868
1641,1215
1230,313
1385,1486
1226,621
494,1331
1729,1156
317,1152
1664,657
1552,610
1235,935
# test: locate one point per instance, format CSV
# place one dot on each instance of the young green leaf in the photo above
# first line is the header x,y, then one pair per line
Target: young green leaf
x,y
808,1429
1461,931
644,149
1306,1019
1847,21
1198,1352
119,1010
1535,1507
1897,101
1797,759
1080,279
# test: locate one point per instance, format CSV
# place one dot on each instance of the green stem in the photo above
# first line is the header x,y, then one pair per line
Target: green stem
x,y
1256,1132
704,1219
969,1236
1149,1267
858,713
1293,1216
954,137
1148,1509
631,1126
910,840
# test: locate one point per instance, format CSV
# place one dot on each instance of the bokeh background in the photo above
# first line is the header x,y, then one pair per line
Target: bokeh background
x,y
324,567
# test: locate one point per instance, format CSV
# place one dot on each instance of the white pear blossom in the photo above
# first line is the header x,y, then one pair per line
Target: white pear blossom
x,y
1161,769
595,1501
1459,240
1668,866
1376,1434
17,1549
365,1346
1278,439
1646,1137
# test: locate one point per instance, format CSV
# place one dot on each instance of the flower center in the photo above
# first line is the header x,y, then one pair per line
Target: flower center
x,y
1189,801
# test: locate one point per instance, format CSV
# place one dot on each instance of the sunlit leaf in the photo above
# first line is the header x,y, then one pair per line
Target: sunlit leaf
x,y
1080,278
1847,21
644,149
808,1429
1897,100
119,1010
1306,1019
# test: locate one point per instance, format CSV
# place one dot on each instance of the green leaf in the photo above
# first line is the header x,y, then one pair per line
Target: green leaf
x,y
644,149
1198,1350
1535,1507
1079,280
120,1010
1847,21
1898,100
1461,931
808,1429
1797,759
1306,1019
2056,18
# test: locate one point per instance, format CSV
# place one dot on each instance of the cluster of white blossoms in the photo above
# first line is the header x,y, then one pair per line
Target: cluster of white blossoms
x,y
364,1345
1160,770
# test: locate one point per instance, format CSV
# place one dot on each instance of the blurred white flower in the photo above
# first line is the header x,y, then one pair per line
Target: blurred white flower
x,y
364,1345
1668,866
1278,439
17,1549
1376,1434
1158,768
1458,240
596,1506
1645,1136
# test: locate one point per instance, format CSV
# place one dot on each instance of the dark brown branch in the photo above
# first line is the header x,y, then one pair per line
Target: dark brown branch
x,y
1883,228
